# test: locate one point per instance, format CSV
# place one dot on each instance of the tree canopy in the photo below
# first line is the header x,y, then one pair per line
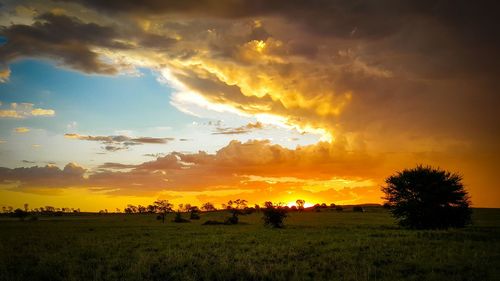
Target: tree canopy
x,y
426,197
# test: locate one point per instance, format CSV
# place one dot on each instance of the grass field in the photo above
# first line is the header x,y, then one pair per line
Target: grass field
x,y
314,246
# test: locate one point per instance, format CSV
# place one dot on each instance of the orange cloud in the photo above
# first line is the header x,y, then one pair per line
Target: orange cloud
x,y
251,167
4,75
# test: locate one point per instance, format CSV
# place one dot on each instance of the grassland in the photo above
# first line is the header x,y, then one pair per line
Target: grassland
x,y
314,246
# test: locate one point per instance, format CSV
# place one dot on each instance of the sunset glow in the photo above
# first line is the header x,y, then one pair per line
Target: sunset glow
x,y
104,103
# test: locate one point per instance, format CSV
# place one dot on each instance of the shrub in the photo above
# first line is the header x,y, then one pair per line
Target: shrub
x,y
358,209
18,213
178,218
339,208
274,216
211,222
194,216
231,220
425,197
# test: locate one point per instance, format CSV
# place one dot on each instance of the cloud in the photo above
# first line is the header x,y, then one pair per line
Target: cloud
x,y
62,38
121,142
111,165
43,112
74,43
4,75
238,130
21,130
43,177
391,79
25,110
248,166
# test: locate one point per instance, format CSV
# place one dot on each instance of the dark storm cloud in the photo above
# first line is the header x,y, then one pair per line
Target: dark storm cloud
x,y
71,42
62,38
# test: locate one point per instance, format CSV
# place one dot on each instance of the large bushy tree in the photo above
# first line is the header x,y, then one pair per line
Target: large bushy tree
x,y
426,197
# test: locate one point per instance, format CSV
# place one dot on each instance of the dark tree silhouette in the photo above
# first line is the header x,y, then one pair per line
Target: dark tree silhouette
x,y
235,211
300,204
194,213
18,213
163,207
208,207
427,198
273,215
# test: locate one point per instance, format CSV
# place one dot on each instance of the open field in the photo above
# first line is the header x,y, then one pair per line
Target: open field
x,y
314,246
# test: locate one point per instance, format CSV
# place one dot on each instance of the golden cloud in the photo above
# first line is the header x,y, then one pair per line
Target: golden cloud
x,y
24,110
21,130
4,75
375,84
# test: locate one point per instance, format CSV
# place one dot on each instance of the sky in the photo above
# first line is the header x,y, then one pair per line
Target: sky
x,y
109,103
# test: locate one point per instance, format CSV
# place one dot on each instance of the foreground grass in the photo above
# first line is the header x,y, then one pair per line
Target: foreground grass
x,y
313,246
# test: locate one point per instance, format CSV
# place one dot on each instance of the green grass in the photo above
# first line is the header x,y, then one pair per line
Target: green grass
x,y
314,246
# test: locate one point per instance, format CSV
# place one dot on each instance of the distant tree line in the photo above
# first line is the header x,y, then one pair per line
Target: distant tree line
x,y
33,213
421,198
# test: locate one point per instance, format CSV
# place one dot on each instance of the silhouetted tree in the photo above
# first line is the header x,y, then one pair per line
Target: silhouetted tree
x,y
268,204
194,213
273,215
208,207
151,209
235,211
332,206
18,213
163,207
300,204
26,207
141,209
130,209
317,207
425,197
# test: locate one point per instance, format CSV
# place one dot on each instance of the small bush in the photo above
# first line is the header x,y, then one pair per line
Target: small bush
x,y
231,220
179,218
339,208
274,216
194,216
18,213
358,209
